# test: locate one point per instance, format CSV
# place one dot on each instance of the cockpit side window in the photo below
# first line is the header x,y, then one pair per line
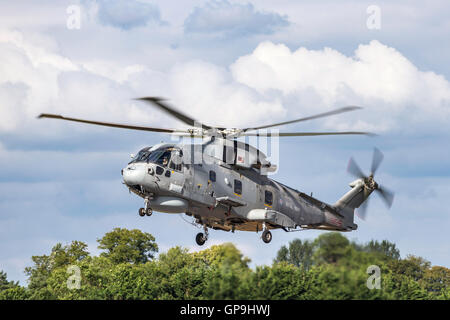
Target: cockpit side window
x,y
160,156
163,160
154,156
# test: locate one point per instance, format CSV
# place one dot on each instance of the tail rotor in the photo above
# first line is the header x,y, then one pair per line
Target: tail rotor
x,y
369,182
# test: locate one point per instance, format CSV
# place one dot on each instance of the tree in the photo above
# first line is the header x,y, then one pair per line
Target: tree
x,y
226,253
60,258
385,248
4,283
128,246
330,267
14,293
413,267
300,254
436,279
281,281
331,247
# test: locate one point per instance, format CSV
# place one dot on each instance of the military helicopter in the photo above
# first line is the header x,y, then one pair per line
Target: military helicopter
x,y
222,183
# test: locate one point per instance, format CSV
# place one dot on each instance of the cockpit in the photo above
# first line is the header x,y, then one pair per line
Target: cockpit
x,y
160,156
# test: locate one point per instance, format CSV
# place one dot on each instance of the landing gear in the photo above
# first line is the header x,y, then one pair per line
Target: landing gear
x,y
147,211
266,235
201,238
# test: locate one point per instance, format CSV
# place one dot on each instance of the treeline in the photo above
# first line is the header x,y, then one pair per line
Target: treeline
x,y
329,267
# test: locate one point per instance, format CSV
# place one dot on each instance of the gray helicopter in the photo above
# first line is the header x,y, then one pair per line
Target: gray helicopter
x,y
222,182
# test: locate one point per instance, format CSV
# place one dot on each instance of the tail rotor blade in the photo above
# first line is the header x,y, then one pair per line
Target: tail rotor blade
x,y
362,210
354,169
376,160
386,195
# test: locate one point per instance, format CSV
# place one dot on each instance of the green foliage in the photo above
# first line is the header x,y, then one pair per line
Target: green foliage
x,y
384,249
14,293
436,279
299,253
128,246
329,267
4,283
330,248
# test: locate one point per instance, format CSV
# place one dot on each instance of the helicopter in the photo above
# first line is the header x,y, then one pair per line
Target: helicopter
x,y
223,183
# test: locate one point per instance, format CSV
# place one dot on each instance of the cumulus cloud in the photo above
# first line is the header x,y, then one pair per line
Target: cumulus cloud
x,y
47,82
233,19
35,79
209,93
272,83
377,76
127,14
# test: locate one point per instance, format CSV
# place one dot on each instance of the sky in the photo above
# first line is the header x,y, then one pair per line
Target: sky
x,y
228,63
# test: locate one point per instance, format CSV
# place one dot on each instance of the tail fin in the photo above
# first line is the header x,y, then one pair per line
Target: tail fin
x,y
355,197
347,204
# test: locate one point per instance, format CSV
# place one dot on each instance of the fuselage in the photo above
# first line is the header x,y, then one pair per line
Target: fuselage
x,y
221,195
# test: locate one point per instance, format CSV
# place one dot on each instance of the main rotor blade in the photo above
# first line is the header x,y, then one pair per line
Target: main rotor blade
x,y
320,115
354,169
386,195
173,112
376,160
107,124
304,134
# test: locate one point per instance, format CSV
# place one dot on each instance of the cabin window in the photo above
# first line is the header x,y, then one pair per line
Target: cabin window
x,y
237,187
174,166
268,198
212,176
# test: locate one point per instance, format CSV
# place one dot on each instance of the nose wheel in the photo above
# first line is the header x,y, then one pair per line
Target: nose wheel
x,y
145,212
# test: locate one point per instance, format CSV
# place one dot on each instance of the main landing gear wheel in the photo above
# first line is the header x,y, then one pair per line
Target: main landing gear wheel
x,y
200,239
266,236
145,212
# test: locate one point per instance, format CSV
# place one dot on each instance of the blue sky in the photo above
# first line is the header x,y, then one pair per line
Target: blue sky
x,y
231,63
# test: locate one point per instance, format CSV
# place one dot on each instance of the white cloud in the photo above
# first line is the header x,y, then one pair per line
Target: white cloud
x,y
35,80
209,93
232,19
272,83
95,89
377,76
127,14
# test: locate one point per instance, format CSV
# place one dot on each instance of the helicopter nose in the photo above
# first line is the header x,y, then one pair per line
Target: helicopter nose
x,y
132,175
